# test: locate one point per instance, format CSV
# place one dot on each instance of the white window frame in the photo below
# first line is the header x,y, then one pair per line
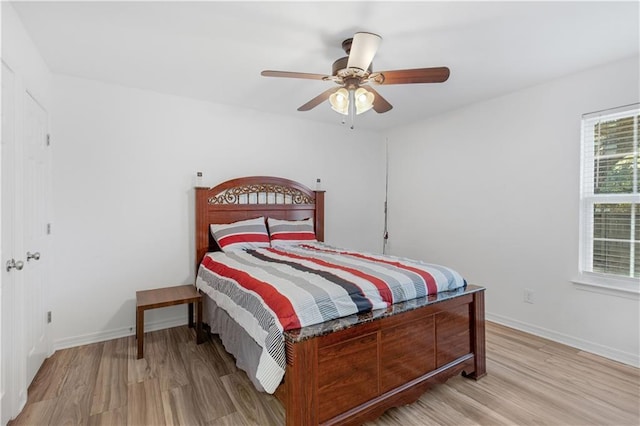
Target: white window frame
x,y
587,279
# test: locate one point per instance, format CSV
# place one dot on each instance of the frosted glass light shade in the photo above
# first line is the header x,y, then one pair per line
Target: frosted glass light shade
x,y
364,100
339,101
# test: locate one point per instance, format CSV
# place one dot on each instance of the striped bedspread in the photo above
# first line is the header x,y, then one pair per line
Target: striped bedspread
x,y
270,290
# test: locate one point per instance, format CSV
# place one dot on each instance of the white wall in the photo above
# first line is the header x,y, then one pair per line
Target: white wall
x,y
493,191
124,168
22,56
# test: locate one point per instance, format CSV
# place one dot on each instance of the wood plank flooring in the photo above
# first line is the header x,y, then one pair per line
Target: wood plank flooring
x,y
530,381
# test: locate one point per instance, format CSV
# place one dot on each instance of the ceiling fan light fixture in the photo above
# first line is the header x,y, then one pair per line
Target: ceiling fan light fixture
x,y
364,100
339,101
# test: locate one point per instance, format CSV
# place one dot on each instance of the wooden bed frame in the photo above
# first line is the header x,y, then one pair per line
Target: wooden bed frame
x,y
354,374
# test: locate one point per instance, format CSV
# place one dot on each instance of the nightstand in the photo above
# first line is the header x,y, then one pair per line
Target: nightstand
x,y
167,296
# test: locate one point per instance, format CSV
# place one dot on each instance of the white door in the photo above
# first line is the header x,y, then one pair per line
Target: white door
x,y
12,386
35,212
24,334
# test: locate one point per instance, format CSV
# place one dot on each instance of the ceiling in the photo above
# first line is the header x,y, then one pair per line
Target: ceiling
x,y
214,51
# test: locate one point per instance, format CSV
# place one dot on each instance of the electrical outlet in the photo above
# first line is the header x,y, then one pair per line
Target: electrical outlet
x,y
528,295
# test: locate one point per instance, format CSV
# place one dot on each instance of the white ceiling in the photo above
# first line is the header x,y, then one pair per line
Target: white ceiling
x,y
214,51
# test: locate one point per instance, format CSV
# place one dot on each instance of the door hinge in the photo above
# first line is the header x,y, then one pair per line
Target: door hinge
x,y
48,229
48,139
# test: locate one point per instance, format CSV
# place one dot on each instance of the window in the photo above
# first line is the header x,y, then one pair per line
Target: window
x,y
610,197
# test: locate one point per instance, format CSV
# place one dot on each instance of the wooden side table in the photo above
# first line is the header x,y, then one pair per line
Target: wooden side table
x,y
167,296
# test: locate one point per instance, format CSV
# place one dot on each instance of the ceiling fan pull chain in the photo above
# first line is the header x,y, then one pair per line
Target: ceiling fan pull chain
x,y
352,106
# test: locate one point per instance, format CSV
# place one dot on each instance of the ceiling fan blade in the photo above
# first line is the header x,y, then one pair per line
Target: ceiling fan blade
x,y
318,99
380,104
418,75
363,48
290,74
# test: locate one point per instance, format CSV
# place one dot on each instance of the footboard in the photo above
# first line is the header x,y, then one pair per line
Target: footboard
x,y
355,374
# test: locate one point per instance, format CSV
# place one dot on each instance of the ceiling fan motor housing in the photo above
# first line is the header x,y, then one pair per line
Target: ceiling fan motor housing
x,y
346,45
339,69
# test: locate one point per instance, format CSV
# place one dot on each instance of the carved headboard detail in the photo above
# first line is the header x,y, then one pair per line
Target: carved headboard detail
x,y
262,194
250,197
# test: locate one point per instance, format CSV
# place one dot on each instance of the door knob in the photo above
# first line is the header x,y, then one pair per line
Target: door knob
x,y
34,256
12,264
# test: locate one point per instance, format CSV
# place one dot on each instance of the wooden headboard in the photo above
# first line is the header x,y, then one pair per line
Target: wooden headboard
x,y
250,197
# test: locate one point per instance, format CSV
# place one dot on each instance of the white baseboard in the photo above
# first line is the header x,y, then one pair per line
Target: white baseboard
x,y
101,336
584,345
607,352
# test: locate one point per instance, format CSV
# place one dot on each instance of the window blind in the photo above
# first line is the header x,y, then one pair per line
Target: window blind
x,y
610,197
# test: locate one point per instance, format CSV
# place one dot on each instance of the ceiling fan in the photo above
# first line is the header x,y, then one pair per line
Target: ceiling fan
x,y
353,74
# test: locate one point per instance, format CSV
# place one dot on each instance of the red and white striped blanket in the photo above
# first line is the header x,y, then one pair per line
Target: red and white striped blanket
x,y
270,290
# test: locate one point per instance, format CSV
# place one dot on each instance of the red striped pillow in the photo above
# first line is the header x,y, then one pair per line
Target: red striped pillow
x,y
288,232
241,235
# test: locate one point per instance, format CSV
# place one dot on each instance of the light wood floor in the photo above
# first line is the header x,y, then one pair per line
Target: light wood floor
x,y
531,381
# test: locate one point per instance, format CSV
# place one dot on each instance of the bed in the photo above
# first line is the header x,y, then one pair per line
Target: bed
x,y
350,369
